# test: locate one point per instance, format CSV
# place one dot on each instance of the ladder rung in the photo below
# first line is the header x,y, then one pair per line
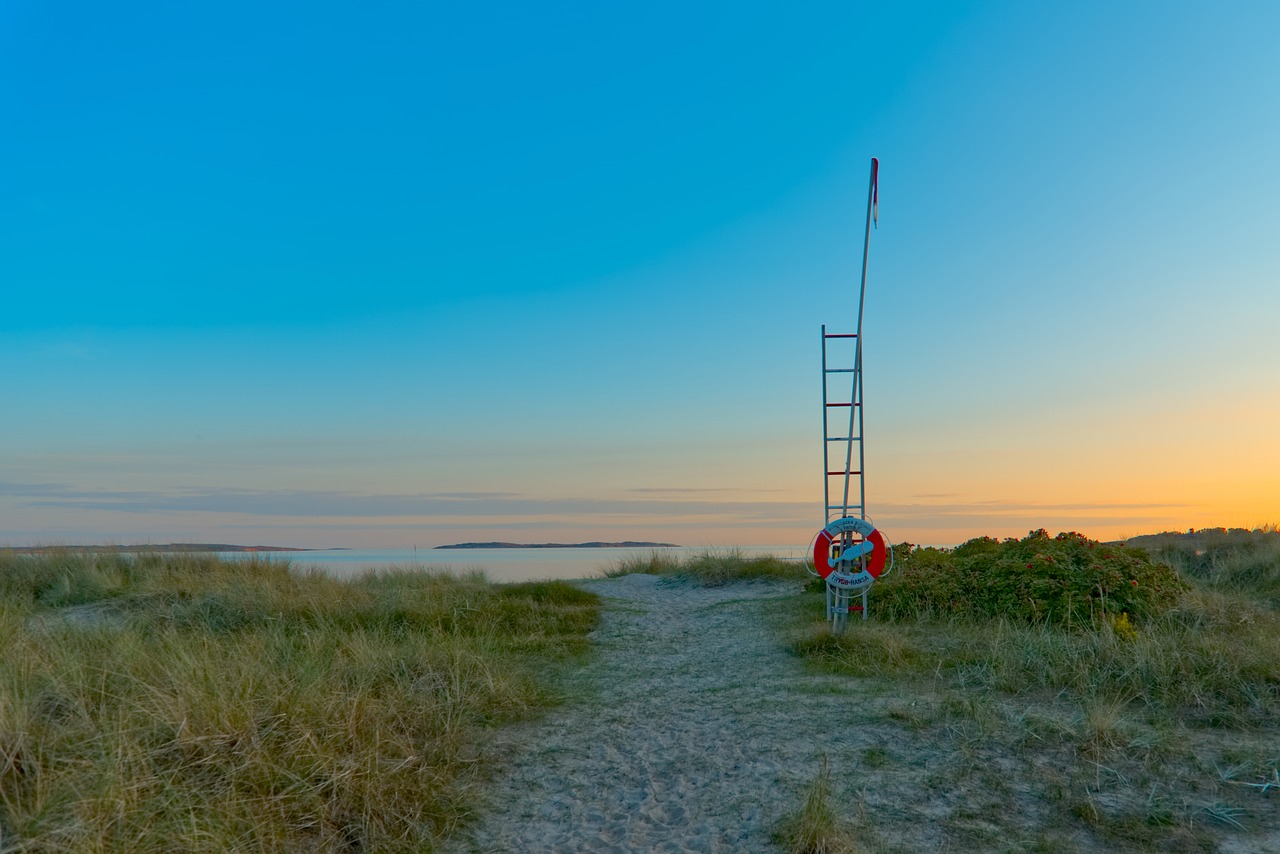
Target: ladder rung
x,y
841,370
842,473
842,507
842,335
844,438
844,404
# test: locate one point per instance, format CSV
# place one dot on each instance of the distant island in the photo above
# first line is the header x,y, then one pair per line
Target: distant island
x,y
163,548
623,545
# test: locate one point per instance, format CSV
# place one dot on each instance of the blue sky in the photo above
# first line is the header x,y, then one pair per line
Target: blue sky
x,y
323,275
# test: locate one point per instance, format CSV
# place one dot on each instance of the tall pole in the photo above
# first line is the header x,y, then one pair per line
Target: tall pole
x,y
855,411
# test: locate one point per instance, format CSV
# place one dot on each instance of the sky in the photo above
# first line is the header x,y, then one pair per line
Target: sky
x,y
380,275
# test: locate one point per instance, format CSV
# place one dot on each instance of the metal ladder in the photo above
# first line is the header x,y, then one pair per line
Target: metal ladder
x,y
848,495
852,484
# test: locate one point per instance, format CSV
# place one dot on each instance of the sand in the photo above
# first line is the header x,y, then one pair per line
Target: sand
x,y
691,730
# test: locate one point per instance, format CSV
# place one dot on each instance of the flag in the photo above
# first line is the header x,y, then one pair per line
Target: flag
x,y
875,191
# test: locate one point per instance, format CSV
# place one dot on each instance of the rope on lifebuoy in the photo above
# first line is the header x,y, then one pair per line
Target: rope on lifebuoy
x,y
847,569
811,569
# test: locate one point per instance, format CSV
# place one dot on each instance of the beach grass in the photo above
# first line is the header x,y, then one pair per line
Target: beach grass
x,y
819,826
182,702
1152,727
1032,696
710,567
1236,560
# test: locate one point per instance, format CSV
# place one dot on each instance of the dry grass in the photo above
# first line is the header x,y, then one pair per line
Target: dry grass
x,y
164,703
1215,661
816,827
1004,734
1232,560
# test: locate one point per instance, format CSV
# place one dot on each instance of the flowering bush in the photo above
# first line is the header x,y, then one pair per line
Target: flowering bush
x,y
1063,580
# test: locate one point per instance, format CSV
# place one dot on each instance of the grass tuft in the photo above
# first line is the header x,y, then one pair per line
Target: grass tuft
x,y
711,568
815,827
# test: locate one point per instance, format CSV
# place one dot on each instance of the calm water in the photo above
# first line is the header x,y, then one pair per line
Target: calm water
x,y
498,564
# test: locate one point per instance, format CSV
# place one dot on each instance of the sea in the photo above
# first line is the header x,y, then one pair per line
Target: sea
x,y
500,565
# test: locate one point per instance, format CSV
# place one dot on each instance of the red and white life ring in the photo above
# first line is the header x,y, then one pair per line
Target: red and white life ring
x,y
839,570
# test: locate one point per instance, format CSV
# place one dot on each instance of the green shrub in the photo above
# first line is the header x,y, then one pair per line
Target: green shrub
x,y
1063,580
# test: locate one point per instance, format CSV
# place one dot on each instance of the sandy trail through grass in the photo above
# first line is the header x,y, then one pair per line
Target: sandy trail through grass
x,y
691,729
700,720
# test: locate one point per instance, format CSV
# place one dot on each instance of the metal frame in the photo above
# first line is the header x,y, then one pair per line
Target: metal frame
x,y
839,599
853,435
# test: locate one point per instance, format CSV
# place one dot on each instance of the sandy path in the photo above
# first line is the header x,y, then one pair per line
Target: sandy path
x,y
691,730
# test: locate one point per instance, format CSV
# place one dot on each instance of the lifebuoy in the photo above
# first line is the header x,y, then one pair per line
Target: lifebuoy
x,y
838,570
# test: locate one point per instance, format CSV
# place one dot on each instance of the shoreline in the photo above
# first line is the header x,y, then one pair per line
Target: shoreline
x,y
626,544
153,548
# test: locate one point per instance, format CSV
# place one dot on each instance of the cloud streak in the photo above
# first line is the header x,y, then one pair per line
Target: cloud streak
x,y
670,508
342,504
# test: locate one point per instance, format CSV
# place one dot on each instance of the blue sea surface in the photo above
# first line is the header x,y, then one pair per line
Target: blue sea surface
x,y
497,564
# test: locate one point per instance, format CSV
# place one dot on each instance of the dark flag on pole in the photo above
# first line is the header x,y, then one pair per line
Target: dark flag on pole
x,y
875,191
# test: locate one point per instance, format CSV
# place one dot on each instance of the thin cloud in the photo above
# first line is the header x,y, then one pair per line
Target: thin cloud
x,y
1001,507
340,504
679,490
